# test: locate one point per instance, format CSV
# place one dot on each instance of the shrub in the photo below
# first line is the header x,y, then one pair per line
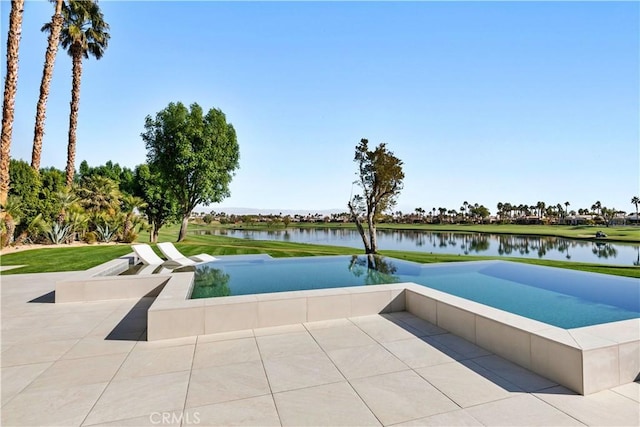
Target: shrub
x,y
90,237
130,236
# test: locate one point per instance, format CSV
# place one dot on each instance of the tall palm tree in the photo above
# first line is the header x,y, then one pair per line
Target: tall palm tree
x,y
54,27
10,87
84,33
635,200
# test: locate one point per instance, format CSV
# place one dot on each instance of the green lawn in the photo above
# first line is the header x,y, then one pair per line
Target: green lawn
x,y
81,258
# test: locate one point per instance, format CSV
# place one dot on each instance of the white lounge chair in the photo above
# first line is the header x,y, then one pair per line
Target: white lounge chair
x,y
148,256
170,251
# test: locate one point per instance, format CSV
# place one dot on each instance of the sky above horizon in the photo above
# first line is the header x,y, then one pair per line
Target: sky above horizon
x,y
484,102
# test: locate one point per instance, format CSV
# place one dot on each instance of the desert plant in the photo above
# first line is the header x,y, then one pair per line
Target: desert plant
x,y
130,236
58,233
11,212
105,233
90,237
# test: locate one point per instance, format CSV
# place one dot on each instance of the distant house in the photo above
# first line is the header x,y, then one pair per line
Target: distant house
x,y
632,218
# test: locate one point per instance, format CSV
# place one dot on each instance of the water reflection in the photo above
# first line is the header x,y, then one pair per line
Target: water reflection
x,y
373,269
210,282
508,245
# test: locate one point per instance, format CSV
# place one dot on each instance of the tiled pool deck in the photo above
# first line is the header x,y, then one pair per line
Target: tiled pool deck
x,y
89,364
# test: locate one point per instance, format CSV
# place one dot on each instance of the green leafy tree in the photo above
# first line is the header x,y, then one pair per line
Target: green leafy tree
x,y
196,155
380,177
84,33
161,207
25,184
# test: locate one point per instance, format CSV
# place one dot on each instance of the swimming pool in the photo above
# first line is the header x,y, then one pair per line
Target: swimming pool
x,y
563,298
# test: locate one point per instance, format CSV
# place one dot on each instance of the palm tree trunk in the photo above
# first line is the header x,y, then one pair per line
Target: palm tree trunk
x,y
47,74
10,88
73,116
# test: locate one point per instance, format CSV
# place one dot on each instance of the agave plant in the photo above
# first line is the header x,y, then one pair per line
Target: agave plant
x,y
58,233
105,233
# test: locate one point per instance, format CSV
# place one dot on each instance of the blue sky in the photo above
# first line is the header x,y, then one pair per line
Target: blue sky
x,y
484,102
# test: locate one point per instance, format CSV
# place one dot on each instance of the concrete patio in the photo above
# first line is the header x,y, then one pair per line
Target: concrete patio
x,y
89,364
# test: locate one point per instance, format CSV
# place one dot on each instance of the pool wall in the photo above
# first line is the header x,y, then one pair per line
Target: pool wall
x,y
585,360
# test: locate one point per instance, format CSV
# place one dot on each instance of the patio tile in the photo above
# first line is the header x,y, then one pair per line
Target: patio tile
x,y
631,390
301,370
26,353
32,322
219,353
63,406
422,327
401,396
76,372
365,361
94,346
382,329
15,378
225,336
279,330
156,361
344,336
521,410
158,418
326,405
521,377
463,385
286,345
450,419
459,345
225,383
254,411
417,353
139,397
173,342
605,408
321,324
55,333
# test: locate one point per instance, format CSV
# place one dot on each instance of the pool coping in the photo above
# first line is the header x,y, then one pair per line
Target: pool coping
x,y
585,360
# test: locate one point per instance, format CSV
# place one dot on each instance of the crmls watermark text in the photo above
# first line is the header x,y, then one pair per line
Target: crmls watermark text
x,y
166,418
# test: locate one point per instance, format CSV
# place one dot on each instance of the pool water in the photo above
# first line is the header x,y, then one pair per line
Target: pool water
x,y
563,298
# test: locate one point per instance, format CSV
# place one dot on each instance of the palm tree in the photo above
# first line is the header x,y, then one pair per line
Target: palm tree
x,y
100,195
11,212
84,33
54,27
131,204
10,87
635,200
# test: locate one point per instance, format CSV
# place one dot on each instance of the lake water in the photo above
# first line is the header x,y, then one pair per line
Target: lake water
x,y
554,248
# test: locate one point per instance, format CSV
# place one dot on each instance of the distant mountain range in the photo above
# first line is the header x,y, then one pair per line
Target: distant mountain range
x,y
263,211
